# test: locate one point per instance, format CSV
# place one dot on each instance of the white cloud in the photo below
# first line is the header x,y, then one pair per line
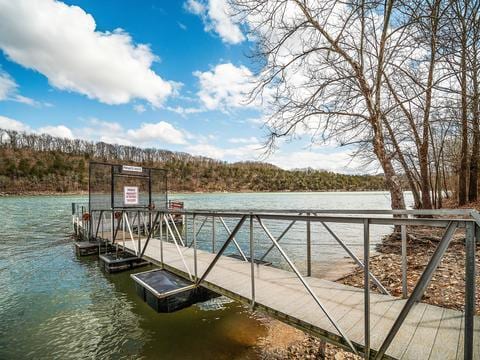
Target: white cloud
x,y
329,159
184,110
61,42
207,150
9,91
248,152
248,140
7,86
53,130
225,86
148,134
57,131
161,131
139,108
12,124
216,16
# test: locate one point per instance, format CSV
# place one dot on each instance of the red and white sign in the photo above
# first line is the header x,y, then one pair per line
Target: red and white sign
x,y
130,195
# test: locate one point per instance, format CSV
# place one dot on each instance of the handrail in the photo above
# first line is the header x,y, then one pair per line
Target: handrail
x,y
451,220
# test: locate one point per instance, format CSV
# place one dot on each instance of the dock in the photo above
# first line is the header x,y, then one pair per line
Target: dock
x,y
326,309
130,221
438,331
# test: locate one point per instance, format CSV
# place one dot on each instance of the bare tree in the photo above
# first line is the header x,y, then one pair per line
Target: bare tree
x,y
325,62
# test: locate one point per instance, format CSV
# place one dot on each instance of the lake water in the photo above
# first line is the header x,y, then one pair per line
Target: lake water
x,y
55,305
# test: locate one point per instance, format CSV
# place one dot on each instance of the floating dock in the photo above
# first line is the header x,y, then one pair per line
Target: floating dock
x,y
380,325
121,261
166,292
87,248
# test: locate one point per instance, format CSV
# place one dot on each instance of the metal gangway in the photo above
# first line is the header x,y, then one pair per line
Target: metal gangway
x,y
373,324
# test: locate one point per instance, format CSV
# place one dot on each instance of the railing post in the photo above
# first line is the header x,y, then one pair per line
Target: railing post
x,y
252,261
469,288
138,232
366,284
213,234
309,247
112,231
124,215
185,229
404,261
194,228
161,239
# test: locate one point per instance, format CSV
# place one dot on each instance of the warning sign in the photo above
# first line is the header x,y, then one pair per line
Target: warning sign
x,y
130,195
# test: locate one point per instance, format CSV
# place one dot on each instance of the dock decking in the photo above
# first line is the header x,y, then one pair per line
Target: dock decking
x,y
429,332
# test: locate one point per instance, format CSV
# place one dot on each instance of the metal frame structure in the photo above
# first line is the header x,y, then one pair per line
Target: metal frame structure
x,y
450,220
118,170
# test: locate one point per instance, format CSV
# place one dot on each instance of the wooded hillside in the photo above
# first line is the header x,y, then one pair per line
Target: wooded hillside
x,y
42,163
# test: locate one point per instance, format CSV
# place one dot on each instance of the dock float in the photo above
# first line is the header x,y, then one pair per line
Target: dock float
x,y
166,292
87,248
114,262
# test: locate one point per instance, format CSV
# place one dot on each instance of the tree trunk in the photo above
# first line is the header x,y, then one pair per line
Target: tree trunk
x,y
392,180
473,185
403,162
463,174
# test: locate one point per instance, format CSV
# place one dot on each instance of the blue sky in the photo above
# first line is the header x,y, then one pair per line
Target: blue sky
x,y
166,74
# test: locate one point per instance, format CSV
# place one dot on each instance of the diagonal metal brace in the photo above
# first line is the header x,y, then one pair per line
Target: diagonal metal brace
x,y
310,291
234,241
222,249
420,287
280,238
355,258
150,233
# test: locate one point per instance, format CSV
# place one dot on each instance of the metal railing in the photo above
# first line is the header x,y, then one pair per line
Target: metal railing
x,y
153,223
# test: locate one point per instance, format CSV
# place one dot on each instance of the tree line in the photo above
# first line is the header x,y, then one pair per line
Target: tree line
x,y
397,79
43,163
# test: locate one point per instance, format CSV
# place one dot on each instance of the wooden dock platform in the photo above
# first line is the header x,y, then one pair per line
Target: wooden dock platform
x,y
429,332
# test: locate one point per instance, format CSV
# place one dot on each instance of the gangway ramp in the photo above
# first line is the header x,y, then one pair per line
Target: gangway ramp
x,y
374,325
429,332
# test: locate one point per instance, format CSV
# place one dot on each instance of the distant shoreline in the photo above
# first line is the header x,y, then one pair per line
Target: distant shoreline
x,y
85,192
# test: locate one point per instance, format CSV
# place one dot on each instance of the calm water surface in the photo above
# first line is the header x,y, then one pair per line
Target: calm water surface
x,y
55,305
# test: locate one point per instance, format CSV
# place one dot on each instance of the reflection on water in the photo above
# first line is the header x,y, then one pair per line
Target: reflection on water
x,y
54,305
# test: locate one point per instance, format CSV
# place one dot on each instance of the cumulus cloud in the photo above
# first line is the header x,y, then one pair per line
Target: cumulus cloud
x,y
161,131
325,158
147,134
225,86
216,17
12,124
239,153
62,43
58,131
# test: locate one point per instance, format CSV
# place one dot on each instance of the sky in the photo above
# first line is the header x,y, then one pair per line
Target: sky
x,y
166,74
